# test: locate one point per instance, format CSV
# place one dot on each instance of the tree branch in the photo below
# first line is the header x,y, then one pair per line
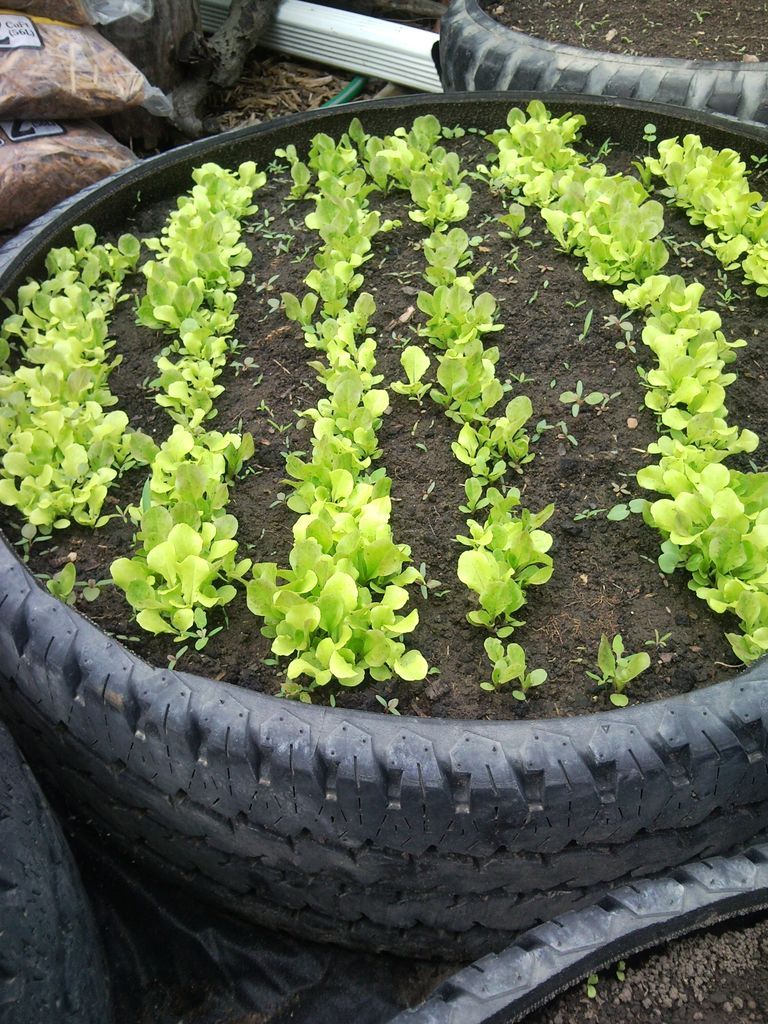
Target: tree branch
x,y
222,62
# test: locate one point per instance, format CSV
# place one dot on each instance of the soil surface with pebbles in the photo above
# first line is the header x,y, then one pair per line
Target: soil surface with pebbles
x,y
714,977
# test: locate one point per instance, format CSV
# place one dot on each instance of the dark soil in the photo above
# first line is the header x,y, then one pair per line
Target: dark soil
x,y
717,30
606,579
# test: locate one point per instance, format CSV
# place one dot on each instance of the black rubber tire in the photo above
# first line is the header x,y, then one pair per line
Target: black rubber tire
x,y
479,53
422,836
502,988
51,966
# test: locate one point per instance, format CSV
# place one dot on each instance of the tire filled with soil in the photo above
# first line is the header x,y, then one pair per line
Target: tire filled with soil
x,y
707,59
469,816
715,32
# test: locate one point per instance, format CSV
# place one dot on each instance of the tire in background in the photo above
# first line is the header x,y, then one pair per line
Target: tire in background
x,y
479,53
51,966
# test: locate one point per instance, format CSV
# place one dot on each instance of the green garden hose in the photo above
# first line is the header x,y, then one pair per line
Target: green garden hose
x,y
349,92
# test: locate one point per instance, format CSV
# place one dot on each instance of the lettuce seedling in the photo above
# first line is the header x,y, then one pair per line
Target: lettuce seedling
x,y
504,558
415,362
186,562
507,555
62,450
62,585
493,446
191,287
181,572
508,665
439,194
713,187
468,383
324,611
533,150
610,222
615,669
454,315
751,607
300,172
446,252
334,611
514,219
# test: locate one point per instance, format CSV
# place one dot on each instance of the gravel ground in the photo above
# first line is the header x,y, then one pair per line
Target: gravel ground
x,y
719,976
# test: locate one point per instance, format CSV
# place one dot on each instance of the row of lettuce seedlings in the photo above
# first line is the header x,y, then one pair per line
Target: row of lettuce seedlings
x,y
713,519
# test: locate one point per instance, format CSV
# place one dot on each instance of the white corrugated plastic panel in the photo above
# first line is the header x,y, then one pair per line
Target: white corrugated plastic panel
x,y
368,46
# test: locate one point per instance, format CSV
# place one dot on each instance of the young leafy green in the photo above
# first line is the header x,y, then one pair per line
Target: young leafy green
x,y
186,562
615,669
509,665
61,448
191,288
334,611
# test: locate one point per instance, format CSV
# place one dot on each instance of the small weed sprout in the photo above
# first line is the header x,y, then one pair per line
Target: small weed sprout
x,y
91,589
625,327
176,656
429,585
587,325
390,706
659,641
30,534
624,510
576,398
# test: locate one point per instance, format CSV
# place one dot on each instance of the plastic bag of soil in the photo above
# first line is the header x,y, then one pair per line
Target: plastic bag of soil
x,y
54,69
43,162
84,12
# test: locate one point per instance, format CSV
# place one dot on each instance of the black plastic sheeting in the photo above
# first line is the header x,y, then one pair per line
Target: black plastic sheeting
x,y
173,960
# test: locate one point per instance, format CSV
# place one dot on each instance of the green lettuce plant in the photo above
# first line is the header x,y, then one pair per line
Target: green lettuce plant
x,y
533,150
415,363
509,665
62,448
180,572
615,669
186,562
712,186
708,515
333,612
466,383
492,447
610,222
507,554
191,288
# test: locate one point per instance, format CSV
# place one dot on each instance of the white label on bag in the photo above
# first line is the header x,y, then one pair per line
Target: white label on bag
x,y
18,33
21,131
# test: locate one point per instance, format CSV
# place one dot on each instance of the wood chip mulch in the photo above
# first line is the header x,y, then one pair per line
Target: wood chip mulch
x,y
272,86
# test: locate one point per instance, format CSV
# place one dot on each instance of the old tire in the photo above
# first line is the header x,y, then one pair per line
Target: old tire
x,y
421,836
543,962
51,969
478,53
